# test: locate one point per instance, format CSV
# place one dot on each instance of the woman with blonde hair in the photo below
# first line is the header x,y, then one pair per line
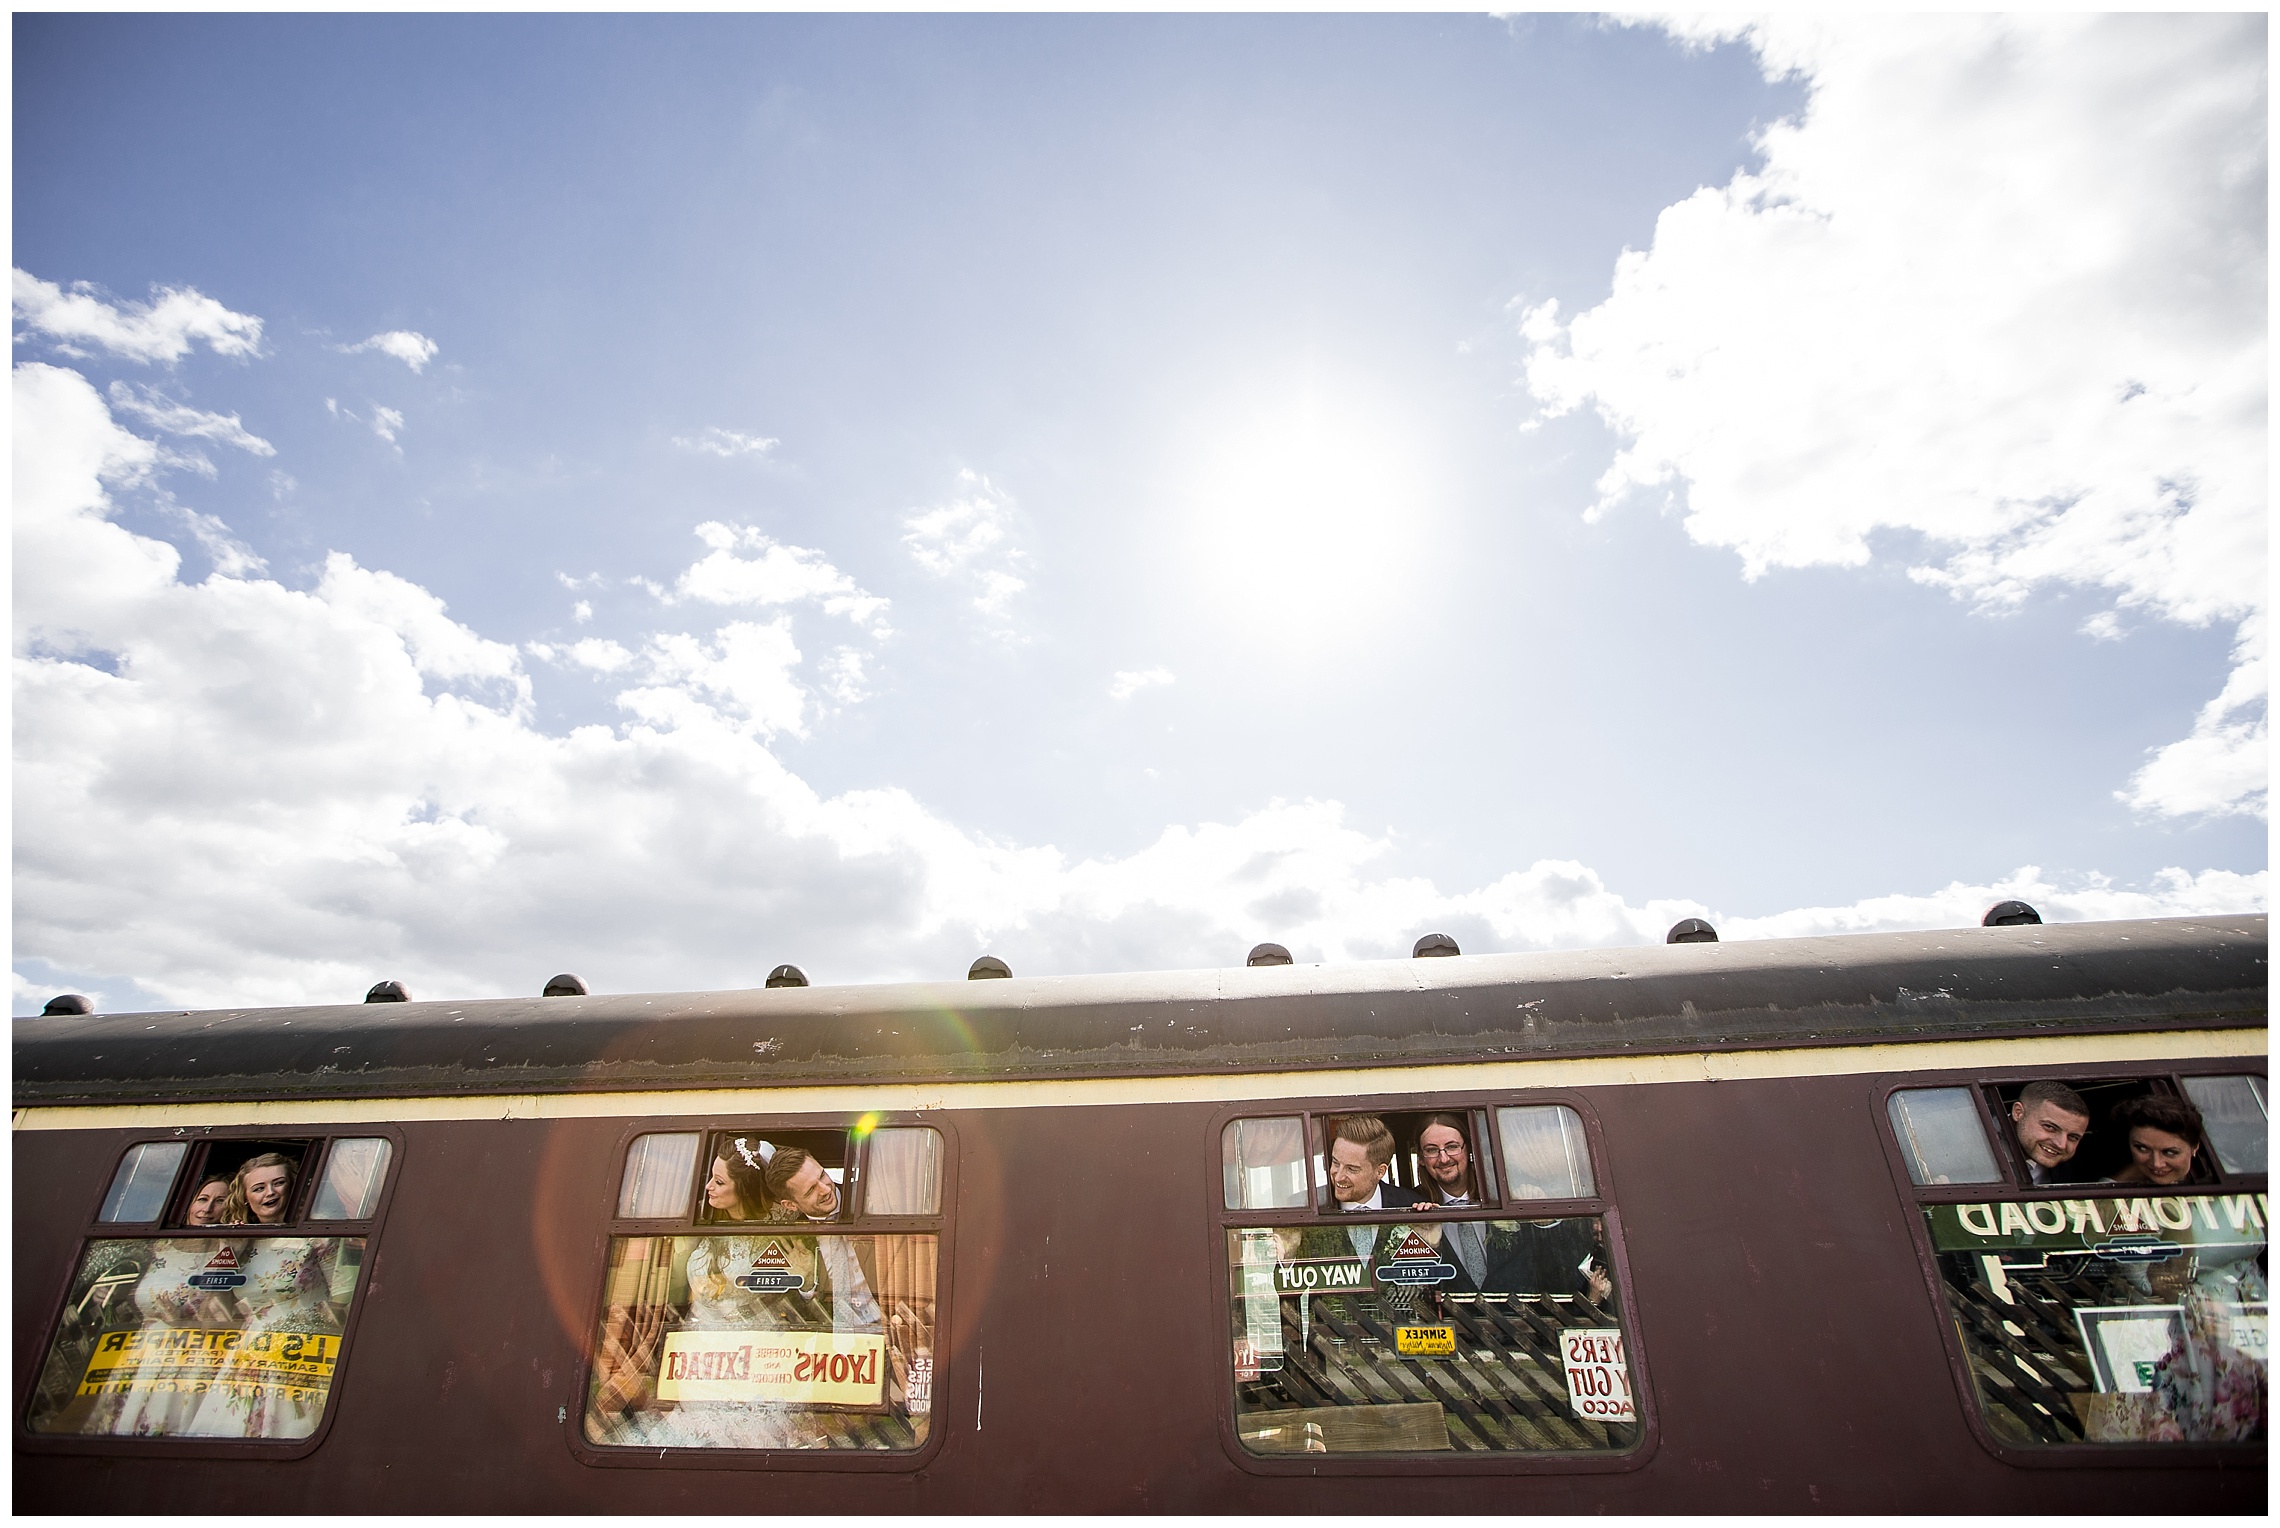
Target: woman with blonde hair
x,y
262,1191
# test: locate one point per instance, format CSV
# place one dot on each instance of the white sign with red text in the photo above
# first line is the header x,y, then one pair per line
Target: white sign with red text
x,y
1598,1376
842,1368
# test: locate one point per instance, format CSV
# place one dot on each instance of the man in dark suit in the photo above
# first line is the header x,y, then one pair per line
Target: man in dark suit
x,y
1452,1185
1554,1257
1359,1155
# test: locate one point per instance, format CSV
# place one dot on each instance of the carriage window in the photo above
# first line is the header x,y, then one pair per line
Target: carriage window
x,y
2233,1113
758,1323
226,1325
1410,1314
2102,1300
1544,1152
1942,1137
2104,1319
657,1173
350,1188
1263,1163
905,1172
146,1173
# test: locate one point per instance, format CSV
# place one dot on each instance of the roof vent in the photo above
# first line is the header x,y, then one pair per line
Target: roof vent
x,y
387,992
2006,914
69,1002
787,976
1435,944
564,985
988,968
1691,931
1267,955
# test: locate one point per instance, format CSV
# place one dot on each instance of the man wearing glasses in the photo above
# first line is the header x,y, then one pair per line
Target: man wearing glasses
x,y
1449,1173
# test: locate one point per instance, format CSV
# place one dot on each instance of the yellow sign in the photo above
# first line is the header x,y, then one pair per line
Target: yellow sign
x,y
827,1368
1425,1341
193,1358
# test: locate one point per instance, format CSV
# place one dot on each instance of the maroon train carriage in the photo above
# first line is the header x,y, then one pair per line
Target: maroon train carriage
x,y
1706,1227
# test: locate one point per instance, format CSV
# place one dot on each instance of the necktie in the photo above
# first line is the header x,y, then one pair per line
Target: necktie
x,y
1469,1240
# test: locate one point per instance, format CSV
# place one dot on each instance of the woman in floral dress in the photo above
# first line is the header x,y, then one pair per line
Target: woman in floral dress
x,y
167,1389
287,1295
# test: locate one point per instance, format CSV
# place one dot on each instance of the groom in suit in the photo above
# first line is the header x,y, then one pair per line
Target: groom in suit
x,y
1361,1148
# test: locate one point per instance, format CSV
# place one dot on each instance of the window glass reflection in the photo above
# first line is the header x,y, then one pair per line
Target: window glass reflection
x,y
2137,1319
1941,1136
768,1339
199,1337
1465,1336
1262,1164
350,1189
1545,1153
2233,1114
138,1189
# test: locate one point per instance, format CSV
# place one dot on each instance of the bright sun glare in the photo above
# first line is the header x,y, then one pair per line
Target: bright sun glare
x,y
1310,513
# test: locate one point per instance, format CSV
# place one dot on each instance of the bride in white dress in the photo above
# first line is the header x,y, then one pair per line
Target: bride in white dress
x,y
164,1396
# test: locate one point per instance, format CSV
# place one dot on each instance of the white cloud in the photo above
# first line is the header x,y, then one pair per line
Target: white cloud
x,y
582,611
164,329
1130,682
715,441
742,678
385,422
844,676
236,792
778,575
180,419
2174,893
2000,288
231,557
971,537
438,647
600,654
2224,766
408,346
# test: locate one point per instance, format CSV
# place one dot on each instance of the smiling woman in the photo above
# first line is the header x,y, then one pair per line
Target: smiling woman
x,y
1312,505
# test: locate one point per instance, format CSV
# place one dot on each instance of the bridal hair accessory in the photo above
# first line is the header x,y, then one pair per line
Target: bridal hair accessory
x,y
766,1153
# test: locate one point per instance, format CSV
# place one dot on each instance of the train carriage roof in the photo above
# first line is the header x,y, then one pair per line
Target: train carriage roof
x,y
1851,989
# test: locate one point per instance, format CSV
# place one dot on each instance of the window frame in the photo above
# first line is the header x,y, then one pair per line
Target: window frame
x,y
93,1230
939,1225
1914,1198
1602,1207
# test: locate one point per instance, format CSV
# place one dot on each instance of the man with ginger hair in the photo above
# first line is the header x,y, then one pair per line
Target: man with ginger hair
x,y
1356,1163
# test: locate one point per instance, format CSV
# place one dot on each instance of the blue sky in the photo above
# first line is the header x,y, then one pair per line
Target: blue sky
x,y
1107,490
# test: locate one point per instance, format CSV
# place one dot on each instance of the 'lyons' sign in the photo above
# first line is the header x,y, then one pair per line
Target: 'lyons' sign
x,y
815,1368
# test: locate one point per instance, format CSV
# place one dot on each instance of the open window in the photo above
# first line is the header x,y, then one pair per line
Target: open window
x,y
2099,1246
1423,1281
215,1293
770,1288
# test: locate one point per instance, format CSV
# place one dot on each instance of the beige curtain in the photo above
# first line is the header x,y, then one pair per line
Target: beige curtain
x,y
1545,1154
905,1172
